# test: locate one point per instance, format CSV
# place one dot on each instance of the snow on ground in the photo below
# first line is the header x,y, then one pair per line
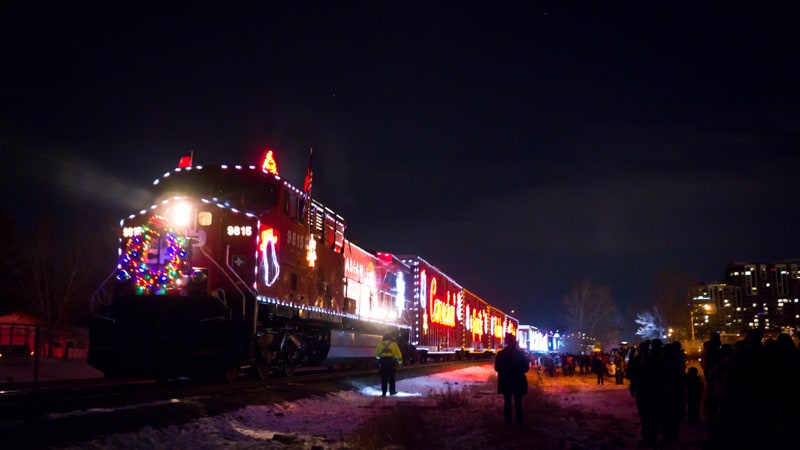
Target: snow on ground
x,y
567,413
318,422
48,369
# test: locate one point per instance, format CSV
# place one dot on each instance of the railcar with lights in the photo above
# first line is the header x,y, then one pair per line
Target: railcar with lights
x,y
450,321
230,267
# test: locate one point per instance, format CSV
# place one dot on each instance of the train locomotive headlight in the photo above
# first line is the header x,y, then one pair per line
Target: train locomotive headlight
x,y
182,215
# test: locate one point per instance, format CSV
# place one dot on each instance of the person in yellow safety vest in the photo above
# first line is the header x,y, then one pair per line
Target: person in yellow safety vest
x,y
389,356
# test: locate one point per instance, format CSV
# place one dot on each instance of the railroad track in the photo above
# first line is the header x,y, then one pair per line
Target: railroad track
x,y
55,415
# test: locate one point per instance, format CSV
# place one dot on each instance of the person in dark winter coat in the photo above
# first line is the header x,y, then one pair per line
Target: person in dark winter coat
x,y
619,361
694,390
599,369
641,372
511,366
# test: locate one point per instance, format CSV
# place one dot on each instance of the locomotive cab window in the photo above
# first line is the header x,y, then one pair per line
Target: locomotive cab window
x,y
259,198
286,202
294,206
301,209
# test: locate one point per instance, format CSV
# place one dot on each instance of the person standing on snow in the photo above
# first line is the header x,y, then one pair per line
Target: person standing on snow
x,y
599,369
511,366
389,356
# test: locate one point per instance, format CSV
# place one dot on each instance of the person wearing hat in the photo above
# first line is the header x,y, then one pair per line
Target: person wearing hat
x,y
389,356
511,364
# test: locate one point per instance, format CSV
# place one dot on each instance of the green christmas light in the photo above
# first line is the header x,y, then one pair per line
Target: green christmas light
x,y
156,281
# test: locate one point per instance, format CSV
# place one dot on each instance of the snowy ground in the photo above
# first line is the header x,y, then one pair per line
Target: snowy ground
x,y
566,413
25,371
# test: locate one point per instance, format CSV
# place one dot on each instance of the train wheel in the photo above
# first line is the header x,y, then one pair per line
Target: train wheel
x,y
287,368
232,374
264,355
263,368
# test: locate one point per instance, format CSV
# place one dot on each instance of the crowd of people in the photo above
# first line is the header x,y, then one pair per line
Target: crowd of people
x,y
657,380
753,392
748,393
600,364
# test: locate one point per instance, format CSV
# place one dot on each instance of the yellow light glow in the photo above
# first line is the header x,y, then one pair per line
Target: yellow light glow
x,y
267,235
269,165
311,254
182,215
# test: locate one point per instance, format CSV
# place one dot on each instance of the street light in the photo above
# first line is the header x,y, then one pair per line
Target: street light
x,y
707,309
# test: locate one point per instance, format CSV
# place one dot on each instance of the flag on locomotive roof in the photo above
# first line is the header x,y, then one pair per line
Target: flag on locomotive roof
x,y
309,173
186,161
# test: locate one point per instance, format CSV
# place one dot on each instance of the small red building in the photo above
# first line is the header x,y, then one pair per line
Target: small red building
x,y
18,330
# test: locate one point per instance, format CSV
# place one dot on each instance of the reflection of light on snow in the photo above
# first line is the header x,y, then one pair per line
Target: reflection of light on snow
x,y
430,385
372,391
252,432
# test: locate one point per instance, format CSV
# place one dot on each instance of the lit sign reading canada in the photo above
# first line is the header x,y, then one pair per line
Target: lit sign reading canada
x,y
442,311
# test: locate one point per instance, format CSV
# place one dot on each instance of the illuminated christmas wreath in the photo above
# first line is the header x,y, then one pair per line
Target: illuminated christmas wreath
x,y
153,279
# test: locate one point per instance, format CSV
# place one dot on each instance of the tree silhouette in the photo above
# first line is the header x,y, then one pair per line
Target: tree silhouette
x,y
57,277
591,310
670,297
12,266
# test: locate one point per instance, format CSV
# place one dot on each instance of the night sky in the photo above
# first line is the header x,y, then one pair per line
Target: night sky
x,y
519,148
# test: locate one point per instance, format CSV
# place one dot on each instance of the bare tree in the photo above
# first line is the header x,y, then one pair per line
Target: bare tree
x,y
591,310
12,251
670,297
56,278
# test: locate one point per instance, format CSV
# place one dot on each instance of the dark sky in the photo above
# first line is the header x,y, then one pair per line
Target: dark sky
x,y
518,146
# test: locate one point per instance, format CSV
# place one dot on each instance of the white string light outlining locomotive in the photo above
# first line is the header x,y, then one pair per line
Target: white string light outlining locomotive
x,y
234,267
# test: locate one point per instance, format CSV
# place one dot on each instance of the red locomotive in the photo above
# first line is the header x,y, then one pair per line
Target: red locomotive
x,y
233,267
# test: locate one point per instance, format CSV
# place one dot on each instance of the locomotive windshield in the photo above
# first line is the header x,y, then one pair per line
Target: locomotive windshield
x,y
245,189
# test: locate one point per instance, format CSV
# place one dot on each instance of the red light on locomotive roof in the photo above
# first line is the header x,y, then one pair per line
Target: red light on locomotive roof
x,y
186,161
269,164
